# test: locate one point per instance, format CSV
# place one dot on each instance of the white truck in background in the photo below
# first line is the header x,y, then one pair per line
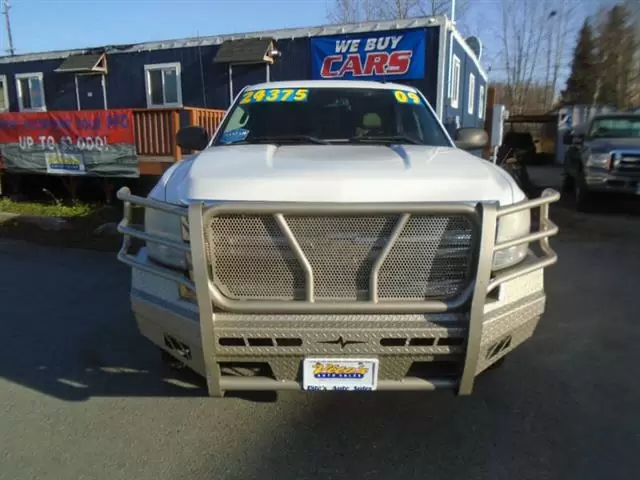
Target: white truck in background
x,y
331,235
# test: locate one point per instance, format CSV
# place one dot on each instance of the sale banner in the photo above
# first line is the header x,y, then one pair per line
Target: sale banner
x,y
93,143
369,56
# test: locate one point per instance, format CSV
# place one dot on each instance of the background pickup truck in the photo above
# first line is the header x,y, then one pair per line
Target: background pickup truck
x,y
604,157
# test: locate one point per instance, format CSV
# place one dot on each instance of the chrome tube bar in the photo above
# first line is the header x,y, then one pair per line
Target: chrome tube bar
x,y
547,230
373,305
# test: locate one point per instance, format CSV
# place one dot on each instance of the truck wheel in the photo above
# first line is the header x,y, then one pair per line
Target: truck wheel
x,y
582,195
169,361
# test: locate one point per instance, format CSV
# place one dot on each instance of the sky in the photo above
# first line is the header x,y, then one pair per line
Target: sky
x,y
40,25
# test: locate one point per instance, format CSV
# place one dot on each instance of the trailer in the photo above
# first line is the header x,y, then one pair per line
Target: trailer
x,y
166,85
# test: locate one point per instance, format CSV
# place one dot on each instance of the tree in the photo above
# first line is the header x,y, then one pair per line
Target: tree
x,y
354,11
582,82
563,23
533,103
443,7
633,6
521,38
616,45
611,74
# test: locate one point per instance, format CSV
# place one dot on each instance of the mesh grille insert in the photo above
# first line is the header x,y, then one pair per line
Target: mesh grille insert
x,y
342,251
431,259
252,258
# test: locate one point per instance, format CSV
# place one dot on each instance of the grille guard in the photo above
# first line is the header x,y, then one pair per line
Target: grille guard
x,y
485,217
310,304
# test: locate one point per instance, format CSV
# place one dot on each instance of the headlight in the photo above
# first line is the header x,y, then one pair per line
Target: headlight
x,y
512,226
167,226
601,160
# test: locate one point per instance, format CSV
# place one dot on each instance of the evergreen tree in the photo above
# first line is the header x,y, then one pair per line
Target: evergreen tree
x,y
582,82
615,58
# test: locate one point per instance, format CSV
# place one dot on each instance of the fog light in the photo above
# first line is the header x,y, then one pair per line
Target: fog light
x,y
186,293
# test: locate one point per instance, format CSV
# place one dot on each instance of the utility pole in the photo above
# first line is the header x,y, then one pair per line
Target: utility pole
x,y
564,15
552,14
5,4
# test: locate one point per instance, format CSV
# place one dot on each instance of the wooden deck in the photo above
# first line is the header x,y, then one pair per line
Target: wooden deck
x,y
155,134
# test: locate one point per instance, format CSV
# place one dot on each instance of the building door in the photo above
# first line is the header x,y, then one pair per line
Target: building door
x,y
89,92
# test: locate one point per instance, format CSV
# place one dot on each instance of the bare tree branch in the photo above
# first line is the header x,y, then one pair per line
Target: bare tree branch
x,y
353,11
396,9
523,31
442,7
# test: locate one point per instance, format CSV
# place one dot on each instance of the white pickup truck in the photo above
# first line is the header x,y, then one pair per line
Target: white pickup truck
x,y
332,236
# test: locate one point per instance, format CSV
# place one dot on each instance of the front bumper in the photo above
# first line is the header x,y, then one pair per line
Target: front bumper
x,y
601,181
416,352
236,349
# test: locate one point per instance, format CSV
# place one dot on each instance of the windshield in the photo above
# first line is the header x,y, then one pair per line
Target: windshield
x,y
331,116
616,127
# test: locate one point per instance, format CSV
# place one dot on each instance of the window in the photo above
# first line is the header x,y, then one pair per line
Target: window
x,y
329,115
455,82
472,93
30,90
4,94
615,127
481,104
164,86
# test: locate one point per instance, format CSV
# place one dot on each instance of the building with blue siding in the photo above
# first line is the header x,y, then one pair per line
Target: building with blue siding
x,y
428,53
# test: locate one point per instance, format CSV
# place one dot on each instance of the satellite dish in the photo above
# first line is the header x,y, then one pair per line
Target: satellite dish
x,y
476,46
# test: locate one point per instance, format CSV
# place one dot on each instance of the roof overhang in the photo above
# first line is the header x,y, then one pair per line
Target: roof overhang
x,y
214,40
246,51
84,63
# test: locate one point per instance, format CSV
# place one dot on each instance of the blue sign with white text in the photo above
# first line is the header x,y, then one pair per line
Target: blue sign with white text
x,y
369,56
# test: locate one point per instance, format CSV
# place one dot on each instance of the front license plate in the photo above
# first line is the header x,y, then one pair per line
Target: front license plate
x,y
346,374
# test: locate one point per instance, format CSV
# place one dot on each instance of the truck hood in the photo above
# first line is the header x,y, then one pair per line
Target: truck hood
x,y
337,173
607,144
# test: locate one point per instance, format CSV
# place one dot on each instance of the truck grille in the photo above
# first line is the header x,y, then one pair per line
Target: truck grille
x,y
628,163
251,258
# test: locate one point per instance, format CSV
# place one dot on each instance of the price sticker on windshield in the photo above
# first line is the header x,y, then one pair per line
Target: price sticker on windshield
x,y
275,95
407,97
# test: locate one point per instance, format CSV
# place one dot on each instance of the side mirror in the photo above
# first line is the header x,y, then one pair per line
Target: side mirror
x,y
471,138
192,137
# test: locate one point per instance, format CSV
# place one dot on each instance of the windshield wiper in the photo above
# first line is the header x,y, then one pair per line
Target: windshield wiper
x,y
288,138
385,139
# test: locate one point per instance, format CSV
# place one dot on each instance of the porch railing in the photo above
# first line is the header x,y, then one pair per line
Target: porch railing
x,y
155,129
206,118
